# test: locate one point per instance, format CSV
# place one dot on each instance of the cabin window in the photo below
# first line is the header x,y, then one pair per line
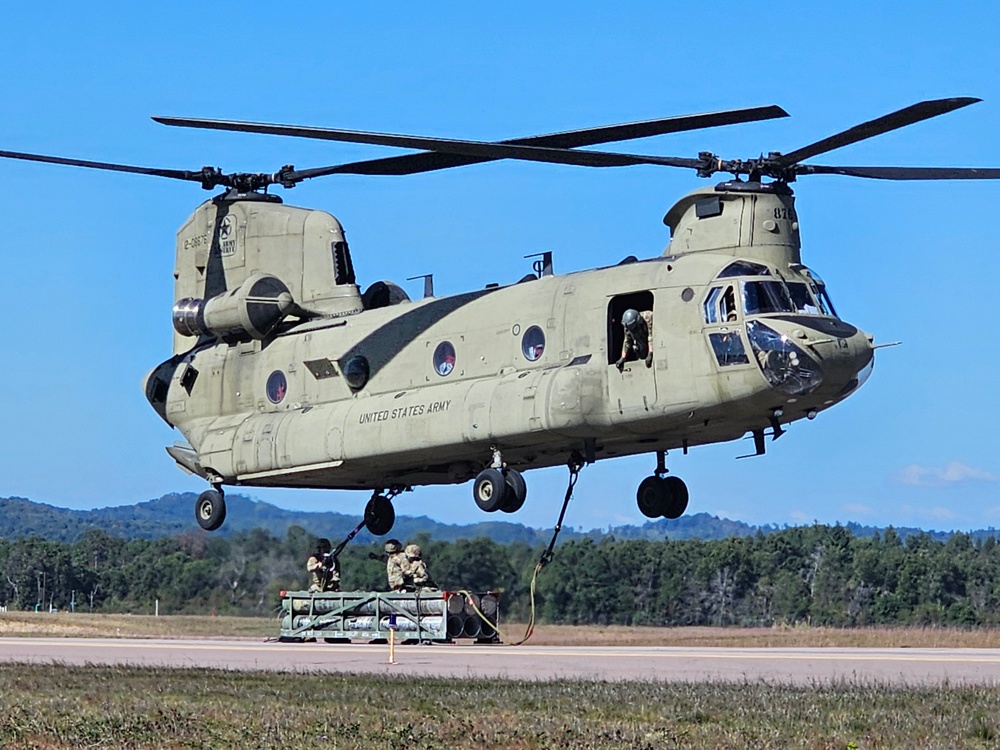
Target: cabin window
x,y
444,358
277,387
533,343
356,372
720,305
637,301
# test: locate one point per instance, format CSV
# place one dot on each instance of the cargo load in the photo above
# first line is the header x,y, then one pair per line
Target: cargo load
x,y
426,616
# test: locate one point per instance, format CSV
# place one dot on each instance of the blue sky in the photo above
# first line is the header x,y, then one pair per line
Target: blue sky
x,y
88,256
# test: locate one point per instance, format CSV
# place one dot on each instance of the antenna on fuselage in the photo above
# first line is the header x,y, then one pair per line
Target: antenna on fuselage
x,y
542,267
428,283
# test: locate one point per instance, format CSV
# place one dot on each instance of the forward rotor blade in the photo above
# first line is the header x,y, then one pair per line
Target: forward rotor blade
x,y
564,139
426,162
174,174
905,173
483,149
901,118
530,153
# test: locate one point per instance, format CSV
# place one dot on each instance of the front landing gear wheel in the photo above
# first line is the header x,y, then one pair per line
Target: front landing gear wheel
x,y
665,497
517,492
677,494
651,497
210,509
489,490
379,516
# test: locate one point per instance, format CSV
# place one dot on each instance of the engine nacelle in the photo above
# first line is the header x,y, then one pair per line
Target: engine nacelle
x,y
254,308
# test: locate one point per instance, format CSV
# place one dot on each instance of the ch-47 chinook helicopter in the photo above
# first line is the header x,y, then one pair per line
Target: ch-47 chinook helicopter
x,y
284,374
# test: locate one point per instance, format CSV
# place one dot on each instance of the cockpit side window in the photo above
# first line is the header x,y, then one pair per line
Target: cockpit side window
x,y
721,313
720,305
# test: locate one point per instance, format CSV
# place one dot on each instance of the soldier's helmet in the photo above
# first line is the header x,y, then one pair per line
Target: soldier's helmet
x,y
413,551
630,319
393,546
323,546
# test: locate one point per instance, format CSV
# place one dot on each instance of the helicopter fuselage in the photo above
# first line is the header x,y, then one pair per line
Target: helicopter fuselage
x,y
423,392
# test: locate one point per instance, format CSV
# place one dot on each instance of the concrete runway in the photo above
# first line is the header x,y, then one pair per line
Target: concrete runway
x,y
802,666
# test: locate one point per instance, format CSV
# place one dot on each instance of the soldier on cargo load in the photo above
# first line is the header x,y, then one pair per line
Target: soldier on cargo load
x,y
395,564
324,569
416,575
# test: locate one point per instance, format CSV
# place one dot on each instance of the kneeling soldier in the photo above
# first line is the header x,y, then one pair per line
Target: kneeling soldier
x,y
417,576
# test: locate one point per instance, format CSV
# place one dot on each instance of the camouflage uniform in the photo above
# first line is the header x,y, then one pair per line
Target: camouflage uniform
x,y
395,566
416,569
629,344
325,571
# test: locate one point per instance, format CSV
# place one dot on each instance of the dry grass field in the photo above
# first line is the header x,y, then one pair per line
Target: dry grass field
x,y
58,706
131,707
81,625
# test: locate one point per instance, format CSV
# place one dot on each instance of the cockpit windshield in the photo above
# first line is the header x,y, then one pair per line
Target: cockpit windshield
x,y
802,298
803,292
744,268
761,297
818,289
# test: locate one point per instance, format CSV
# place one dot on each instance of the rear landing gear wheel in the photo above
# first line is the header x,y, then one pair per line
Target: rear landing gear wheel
x,y
489,490
379,516
210,509
516,492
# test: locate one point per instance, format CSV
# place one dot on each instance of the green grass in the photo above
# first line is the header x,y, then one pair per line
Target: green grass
x,y
114,707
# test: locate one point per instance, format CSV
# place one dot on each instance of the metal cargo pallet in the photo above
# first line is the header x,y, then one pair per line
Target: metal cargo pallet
x,y
422,616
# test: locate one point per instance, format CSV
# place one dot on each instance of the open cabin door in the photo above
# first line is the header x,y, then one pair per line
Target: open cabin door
x,y
631,392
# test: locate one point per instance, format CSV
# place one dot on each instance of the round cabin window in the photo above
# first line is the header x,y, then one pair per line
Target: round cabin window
x,y
356,372
444,358
277,387
533,343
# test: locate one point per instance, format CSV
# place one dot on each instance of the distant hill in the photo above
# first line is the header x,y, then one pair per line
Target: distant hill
x,y
172,514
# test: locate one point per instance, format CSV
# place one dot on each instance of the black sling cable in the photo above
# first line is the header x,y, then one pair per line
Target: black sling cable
x,y
575,464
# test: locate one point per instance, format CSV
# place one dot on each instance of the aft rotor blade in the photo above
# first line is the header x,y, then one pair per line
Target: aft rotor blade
x,y
901,118
174,174
425,162
905,173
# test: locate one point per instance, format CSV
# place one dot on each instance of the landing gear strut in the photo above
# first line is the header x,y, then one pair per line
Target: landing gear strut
x,y
499,487
662,497
210,508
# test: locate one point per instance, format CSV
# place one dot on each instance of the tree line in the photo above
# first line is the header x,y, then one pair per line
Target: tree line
x,y
821,575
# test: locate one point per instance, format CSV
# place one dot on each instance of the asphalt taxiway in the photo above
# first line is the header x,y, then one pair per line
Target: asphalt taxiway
x,y
802,666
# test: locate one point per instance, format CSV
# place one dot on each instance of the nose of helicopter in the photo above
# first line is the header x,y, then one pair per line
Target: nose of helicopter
x,y
823,358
